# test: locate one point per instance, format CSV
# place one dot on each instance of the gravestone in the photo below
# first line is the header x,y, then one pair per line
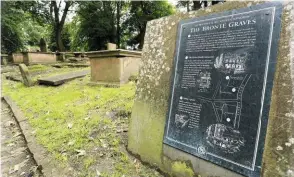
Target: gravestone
x,y
113,67
4,59
215,92
25,75
43,45
39,57
111,46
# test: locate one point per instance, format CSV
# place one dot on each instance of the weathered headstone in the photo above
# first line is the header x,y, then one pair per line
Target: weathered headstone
x,y
215,91
4,59
111,46
25,75
43,45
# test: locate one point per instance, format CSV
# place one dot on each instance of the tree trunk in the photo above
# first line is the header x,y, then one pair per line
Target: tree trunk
x,y
59,43
118,6
141,38
196,5
59,23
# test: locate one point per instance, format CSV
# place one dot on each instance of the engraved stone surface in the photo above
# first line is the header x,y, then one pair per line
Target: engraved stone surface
x,y
152,102
221,90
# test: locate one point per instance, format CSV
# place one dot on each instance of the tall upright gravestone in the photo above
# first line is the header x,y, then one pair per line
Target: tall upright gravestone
x,y
220,104
43,45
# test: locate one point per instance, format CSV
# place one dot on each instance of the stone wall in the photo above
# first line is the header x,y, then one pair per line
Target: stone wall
x,y
152,96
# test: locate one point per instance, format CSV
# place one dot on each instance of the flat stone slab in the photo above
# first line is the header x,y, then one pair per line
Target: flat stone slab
x,y
62,78
70,65
6,70
14,78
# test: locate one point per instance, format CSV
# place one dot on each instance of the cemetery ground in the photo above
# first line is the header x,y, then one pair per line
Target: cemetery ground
x,y
83,127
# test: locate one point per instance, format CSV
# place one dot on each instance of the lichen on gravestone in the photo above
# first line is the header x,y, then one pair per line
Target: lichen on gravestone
x,y
25,75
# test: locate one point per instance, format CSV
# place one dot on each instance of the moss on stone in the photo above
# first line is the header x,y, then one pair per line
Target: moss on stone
x,y
181,169
146,133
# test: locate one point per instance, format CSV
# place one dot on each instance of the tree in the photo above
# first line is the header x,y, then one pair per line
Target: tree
x,y
59,23
185,4
118,16
97,24
195,5
12,15
140,13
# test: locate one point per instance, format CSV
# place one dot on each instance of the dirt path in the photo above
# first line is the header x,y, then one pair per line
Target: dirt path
x,y
16,160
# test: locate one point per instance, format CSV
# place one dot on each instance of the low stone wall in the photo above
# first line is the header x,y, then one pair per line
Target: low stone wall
x,y
146,130
113,66
39,57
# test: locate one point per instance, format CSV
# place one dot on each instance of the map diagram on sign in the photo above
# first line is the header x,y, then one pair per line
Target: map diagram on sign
x,y
227,102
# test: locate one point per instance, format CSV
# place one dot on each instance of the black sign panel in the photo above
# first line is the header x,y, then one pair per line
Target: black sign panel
x,y
221,86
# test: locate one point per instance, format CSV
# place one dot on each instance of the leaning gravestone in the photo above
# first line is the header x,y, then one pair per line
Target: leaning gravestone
x,y
25,75
221,104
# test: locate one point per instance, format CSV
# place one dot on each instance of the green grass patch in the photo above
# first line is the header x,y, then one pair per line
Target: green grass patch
x,y
62,114
38,67
73,117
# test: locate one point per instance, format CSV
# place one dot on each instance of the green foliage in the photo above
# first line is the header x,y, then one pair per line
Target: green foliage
x,y
19,29
32,31
11,16
96,22
77,43
65,37
140,13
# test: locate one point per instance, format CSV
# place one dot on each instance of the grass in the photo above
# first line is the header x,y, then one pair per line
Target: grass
x,y
38,67
75,117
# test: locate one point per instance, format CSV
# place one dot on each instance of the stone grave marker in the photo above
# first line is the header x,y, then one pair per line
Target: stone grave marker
x,y
43,45
4,59
113,67
111,46
215,92
25,75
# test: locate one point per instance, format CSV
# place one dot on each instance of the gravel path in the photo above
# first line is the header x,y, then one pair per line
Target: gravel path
x,y
16,160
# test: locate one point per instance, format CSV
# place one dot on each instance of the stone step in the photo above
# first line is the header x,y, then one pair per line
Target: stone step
x,y
62,78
